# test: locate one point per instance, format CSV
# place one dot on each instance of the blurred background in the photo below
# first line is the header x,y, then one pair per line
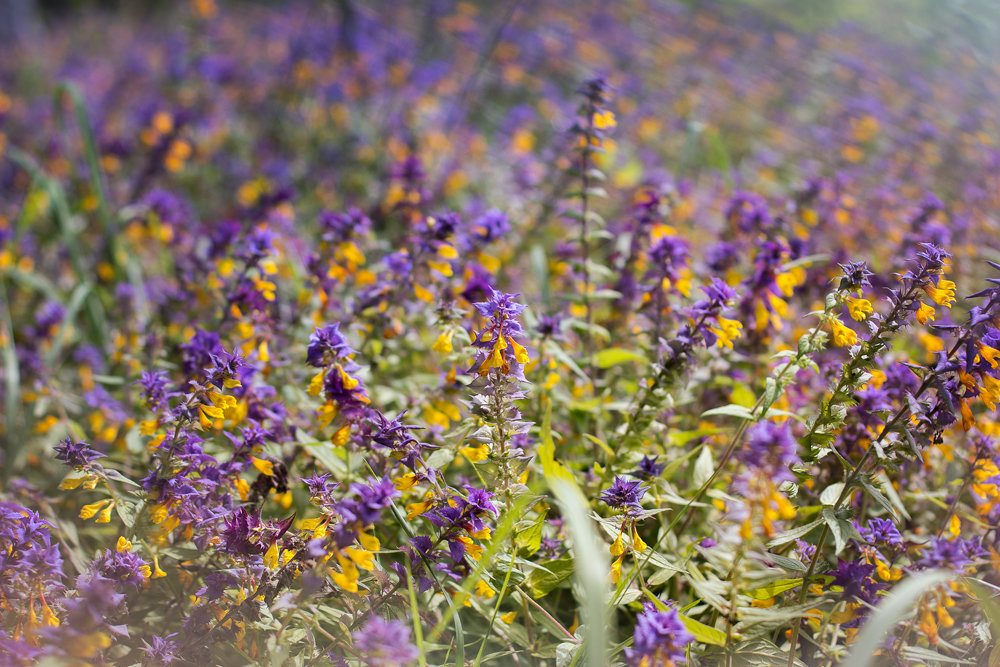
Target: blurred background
x,y
918,20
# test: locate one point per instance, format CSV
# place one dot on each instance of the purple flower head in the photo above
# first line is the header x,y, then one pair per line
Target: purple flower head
x,y
722,256
501,307
496,345
666,256
225,367
856,274
625,495
123,567
550,326
240,528
749,212
649,468
411,170
29,560
385,643
771,449
326,345
198,351
882,531
163,651
953,554
857,580
659,638
154,387
76,454
490,226
49,315
319,485
342,226
258,244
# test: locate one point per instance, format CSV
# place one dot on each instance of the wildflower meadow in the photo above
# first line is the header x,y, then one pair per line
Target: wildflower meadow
x,y
549,334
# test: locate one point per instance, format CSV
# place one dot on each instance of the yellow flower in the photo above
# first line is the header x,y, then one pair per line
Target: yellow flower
x,y
157,571
925,313
361,557
604,120
728,331
341,436
842,335
123,545
483,590
618,546
422,293
405,482
943,293
88,511
990,354
616,569
369,542
443,343
264,467
413,510
475,454
859,309
105,515
637,543
316,384
519,352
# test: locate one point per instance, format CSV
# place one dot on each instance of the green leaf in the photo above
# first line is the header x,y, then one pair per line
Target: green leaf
x,y
787,563
831,493
730,410
126,512
889,612
530,539
614,356
743,395
987,602
840,538
793,534
705,634
703,467
876,495
774,589
755,653
549,575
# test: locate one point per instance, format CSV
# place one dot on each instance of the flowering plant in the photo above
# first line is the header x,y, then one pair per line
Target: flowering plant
x,y
375,336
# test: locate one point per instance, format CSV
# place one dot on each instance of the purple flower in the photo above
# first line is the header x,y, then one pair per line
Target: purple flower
x,y
29,560
649,468
625,495
490,226
240,527
856,274
771,449
123,567
857,581
385,643
882,531
76,454
163,651
495,345
659,638
953,554
154,387
326,345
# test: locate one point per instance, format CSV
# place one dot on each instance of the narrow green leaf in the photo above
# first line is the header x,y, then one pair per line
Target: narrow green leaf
x,y
896,605
730,410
